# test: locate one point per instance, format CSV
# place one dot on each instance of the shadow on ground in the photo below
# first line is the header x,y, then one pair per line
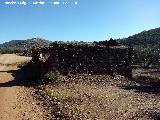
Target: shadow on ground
x,y
148,84
145,114
19,79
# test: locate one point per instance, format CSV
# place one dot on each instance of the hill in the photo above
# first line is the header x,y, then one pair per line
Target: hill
x,y
21,45
146,47
150,37
25,44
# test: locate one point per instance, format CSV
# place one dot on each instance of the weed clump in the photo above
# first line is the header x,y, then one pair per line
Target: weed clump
x,y
52,77
62,96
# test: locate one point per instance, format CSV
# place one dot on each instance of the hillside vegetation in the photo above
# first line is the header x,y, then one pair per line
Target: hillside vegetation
x,y
18,46
146,46
150,37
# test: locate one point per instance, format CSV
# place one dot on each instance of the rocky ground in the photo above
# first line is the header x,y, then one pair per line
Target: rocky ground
x,y
103,97
79,97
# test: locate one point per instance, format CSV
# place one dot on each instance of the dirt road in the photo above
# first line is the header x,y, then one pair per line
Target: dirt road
x,y
16,102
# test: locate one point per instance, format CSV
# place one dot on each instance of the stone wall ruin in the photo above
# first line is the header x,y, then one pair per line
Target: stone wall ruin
x,y
85,59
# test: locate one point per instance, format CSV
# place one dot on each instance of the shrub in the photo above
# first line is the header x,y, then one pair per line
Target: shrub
x,y
52,77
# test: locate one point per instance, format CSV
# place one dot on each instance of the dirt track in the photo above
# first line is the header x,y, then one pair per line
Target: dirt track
x,y
16,102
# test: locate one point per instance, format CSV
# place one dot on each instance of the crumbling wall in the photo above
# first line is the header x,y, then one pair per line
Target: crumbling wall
x,y
89,59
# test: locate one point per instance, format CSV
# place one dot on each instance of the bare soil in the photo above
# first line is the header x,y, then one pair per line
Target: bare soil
x,y
16,101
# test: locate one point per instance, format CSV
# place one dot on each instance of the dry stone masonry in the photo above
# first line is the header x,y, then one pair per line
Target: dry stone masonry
x,y
85,58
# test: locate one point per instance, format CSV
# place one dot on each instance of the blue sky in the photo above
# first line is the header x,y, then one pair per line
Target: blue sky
x,y
89,20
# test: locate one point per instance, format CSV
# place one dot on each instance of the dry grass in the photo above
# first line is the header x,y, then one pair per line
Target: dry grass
x,y
12,59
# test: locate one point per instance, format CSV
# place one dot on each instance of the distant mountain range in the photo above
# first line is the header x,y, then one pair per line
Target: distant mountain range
x,y
25,44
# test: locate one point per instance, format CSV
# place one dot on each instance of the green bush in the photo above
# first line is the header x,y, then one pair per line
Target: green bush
x,y
52,77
